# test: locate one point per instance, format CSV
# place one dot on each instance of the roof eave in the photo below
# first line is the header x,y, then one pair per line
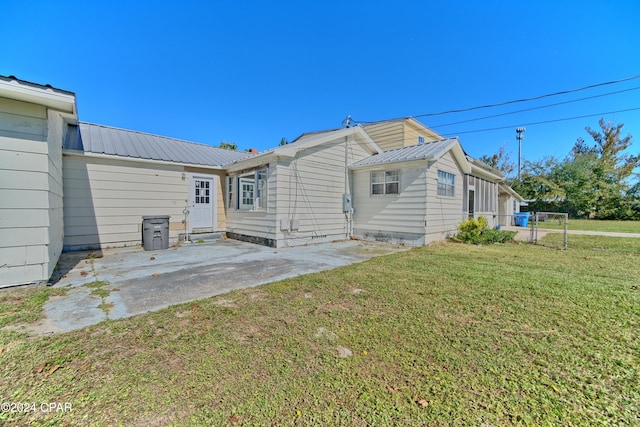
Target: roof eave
x,y
81,153
20,90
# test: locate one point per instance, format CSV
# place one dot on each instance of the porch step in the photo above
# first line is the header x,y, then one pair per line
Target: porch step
x,y
206,237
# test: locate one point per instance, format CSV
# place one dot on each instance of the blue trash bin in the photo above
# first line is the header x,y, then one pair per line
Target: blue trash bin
x,y
522,219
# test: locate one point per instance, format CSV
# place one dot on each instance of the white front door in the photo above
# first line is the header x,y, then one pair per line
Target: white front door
x,y
202,201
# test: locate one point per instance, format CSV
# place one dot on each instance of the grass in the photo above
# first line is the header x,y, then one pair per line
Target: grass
x,y
594,225
447,334
24,304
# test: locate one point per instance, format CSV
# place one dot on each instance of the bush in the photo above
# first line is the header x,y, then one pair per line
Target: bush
x,y
477,231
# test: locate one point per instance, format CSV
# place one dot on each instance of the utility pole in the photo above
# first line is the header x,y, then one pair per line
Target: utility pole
x,y
519,135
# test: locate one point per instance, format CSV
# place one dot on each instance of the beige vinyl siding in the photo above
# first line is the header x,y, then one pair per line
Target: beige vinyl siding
x,y
105,200
399,133
444,213
24,193
399,217
310,189
387,135
307,189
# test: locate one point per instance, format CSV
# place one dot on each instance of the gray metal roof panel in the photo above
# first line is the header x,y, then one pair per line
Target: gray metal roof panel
x,y
426,151
127,143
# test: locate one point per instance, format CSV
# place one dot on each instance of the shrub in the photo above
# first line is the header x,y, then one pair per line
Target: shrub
x,y
477,231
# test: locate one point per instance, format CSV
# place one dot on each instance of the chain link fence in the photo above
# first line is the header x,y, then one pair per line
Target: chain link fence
x,y
550,222
533,226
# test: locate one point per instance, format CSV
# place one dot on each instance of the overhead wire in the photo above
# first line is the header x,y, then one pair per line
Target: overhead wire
x,y
533,108
545,121
500,104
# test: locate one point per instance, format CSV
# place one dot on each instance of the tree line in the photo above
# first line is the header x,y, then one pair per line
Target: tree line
x,y
597,180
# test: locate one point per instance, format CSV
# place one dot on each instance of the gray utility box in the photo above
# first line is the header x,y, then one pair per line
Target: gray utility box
x,y
155,232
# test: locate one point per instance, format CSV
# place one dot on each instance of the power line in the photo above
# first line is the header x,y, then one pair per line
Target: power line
x,y
500,104
545,121
533,108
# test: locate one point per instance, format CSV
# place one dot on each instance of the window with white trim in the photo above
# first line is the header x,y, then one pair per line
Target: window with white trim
x,y
248,191
446,184
385,182
230,193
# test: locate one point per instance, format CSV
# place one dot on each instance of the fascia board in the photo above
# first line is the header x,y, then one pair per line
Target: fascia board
x,y
48,97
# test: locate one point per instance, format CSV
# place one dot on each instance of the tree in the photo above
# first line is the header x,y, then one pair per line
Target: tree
x,y
598,178
501,161
228,145
538,182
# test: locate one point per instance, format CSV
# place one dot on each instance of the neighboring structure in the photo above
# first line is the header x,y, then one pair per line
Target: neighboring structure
x,y
72,185
33,123
509,202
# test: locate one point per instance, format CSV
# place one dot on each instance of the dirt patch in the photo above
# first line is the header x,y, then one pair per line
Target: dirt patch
x,y
227,303
39,328
343,352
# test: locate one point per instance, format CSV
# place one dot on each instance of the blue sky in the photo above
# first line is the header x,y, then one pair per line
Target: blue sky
x,y
252,72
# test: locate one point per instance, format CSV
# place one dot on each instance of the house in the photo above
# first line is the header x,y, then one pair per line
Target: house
x,y
33,120
70,185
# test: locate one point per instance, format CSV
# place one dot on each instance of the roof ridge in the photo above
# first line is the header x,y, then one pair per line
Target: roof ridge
x,y
420,144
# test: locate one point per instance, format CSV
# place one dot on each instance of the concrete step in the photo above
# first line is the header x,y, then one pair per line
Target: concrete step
x,y
206,237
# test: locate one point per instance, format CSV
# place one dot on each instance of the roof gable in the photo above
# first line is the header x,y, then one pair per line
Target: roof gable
x,y
429,151
357,134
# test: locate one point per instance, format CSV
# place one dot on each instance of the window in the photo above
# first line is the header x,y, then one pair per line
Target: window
x,y
203,192
261,189
251,191
230,201
420,139
247,186
488,195
446,183
385,182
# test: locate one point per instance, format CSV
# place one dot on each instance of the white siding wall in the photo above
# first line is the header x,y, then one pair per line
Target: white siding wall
x,y
105,199
307,189
56,128
444,213
24,193
399,217
310,190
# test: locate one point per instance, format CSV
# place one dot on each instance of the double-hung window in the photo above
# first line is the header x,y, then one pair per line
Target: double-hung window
x,y
446,184
385,182
247,191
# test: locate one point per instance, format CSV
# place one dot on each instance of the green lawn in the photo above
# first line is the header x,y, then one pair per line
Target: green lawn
x,y
594,225
447,334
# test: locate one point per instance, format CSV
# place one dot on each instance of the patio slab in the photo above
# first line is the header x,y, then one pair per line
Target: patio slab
x,y
139,281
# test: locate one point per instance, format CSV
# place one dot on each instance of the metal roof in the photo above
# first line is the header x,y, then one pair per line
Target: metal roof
x,y
101,139
427,151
